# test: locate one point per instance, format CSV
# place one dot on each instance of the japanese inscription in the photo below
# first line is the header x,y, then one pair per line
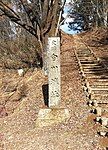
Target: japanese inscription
x,y
54,71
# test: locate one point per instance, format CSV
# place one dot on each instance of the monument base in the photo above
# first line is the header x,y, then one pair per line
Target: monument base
x,y
51,116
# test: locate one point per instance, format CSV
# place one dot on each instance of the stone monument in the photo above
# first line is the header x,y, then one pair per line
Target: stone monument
x,y
54,114
54,71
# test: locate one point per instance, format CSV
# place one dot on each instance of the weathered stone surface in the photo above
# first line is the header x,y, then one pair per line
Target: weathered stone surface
x,y
95,103
54,79
99,111
21,72
98,119
103,133
103,98
51,116
104,121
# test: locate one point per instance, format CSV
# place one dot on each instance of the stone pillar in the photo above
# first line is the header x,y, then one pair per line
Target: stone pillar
x,y
54,114
54,71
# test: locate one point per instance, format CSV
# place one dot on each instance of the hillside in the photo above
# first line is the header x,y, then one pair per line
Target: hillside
x,y
22,97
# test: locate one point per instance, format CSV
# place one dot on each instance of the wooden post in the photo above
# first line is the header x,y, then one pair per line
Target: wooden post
x,y
54,71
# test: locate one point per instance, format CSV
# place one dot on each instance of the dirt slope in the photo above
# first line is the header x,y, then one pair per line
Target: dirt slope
x,y
17,125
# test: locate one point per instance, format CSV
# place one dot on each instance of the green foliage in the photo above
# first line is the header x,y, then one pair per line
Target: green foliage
x,y
91,13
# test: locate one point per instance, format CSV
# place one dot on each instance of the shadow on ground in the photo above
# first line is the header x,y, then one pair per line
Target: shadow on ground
x,y
45,90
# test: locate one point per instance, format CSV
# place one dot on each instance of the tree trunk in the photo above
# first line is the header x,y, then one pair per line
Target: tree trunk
x,y
105,12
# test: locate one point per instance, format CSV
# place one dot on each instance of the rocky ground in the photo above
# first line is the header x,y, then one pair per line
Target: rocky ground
x,y
22,97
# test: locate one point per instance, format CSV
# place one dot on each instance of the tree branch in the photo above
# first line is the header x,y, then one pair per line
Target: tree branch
x,y
5,7
15,18
26,11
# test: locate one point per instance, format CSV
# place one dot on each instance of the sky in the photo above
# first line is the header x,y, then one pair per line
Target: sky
x,y
65,27
67,1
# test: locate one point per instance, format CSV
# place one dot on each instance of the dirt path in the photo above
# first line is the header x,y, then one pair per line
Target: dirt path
x,y
18,131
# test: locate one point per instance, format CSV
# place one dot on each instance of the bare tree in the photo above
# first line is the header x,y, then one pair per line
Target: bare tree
x,y
38,17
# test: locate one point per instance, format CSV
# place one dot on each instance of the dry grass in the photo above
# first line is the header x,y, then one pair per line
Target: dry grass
x,y
12,91
19,128
96,37
20,53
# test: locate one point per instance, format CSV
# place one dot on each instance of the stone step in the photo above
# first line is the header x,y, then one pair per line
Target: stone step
x,y
95,104
82,51
96,86
97,73
99,98
85,56
97,81
88,62
87,59
99,91
92,76
99,86
91,65
94,69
